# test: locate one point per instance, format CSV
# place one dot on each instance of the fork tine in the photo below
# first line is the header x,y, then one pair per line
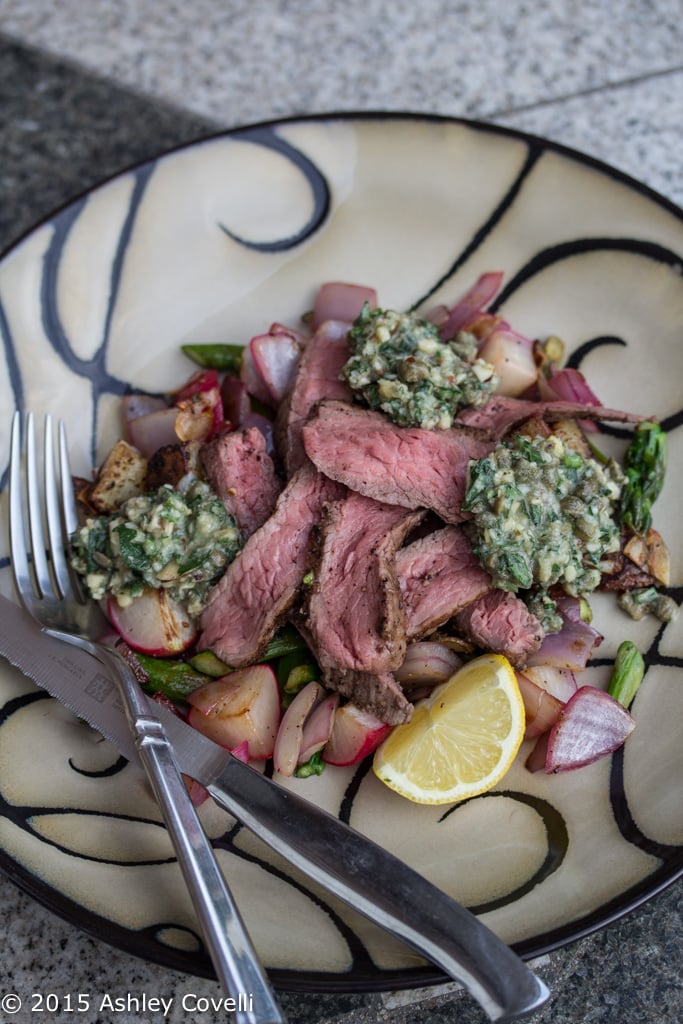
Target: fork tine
x,y
41,567
57,533
21,570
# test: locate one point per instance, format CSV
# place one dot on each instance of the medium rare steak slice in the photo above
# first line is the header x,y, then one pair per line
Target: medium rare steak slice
x,y
378,693
501,414
405,466
501,622
242,474
439,576
260,585
317,377
355,613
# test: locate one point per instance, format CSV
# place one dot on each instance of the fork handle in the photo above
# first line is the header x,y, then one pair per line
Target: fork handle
x,y
232,953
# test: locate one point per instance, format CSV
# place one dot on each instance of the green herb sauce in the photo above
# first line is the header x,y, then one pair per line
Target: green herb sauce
x,y
401,366
543,515
181,542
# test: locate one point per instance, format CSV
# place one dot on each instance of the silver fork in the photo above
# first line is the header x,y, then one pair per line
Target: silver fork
x,y
46,588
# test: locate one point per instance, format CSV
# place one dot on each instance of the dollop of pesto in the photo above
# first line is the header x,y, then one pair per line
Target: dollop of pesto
x,y
181,542
401,365
543,515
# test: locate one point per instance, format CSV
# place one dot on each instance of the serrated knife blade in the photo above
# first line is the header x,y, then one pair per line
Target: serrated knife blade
x,y
341,860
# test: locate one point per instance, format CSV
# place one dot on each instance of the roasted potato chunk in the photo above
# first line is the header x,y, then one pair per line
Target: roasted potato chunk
x,y
121,476
171,463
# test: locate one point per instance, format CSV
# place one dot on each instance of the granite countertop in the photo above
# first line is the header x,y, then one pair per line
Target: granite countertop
x,y
88,89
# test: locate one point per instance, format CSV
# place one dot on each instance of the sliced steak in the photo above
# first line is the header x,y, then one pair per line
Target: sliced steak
x,y
405,466
438,575
317,377
355,613
378,693
260,585
501,414
501,622
240,471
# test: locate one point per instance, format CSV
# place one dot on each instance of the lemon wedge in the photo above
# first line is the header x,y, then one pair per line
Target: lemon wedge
x,y
461,739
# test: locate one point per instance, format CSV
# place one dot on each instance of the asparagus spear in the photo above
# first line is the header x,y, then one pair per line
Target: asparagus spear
x,y
644,466
627,674
226,358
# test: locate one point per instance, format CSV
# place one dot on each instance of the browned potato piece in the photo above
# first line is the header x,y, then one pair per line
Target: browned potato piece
x,y
121,476
573,436
171,463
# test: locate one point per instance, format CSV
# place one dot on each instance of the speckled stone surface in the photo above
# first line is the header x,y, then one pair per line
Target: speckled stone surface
x,y
604,76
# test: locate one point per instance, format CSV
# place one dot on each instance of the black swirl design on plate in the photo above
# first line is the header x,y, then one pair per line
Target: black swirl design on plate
x,y
581,246
320,191
535,150
117,765
93,369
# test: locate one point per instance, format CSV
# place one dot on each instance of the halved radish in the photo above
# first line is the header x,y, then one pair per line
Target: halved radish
x,y
318,727
290,733
153,623
243,706
355,734
252,379
512,357
591,725
541,708
276,358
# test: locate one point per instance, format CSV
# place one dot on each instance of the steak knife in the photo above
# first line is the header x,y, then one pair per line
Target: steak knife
x,y
350,866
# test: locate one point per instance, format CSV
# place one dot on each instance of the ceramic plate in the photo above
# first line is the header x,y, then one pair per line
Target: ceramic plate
x,y
213,242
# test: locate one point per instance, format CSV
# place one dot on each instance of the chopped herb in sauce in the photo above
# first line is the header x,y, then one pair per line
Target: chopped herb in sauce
x,y
401,365
181,542
543,515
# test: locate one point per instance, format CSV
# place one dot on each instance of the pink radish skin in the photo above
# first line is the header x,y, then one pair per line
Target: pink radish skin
x,y
355,734
318,727
591,725
153,623
290,733
242,707
541,709
276,358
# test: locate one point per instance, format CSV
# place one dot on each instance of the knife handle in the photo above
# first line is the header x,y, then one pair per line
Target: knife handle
x,y
232,953
384,889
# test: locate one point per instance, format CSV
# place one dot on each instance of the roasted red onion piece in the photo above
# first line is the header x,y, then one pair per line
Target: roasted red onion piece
x,y
471,304
291,731
318,727
591,725
571,385
337,300
427,664
151,431
570,648
560,682
541,707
